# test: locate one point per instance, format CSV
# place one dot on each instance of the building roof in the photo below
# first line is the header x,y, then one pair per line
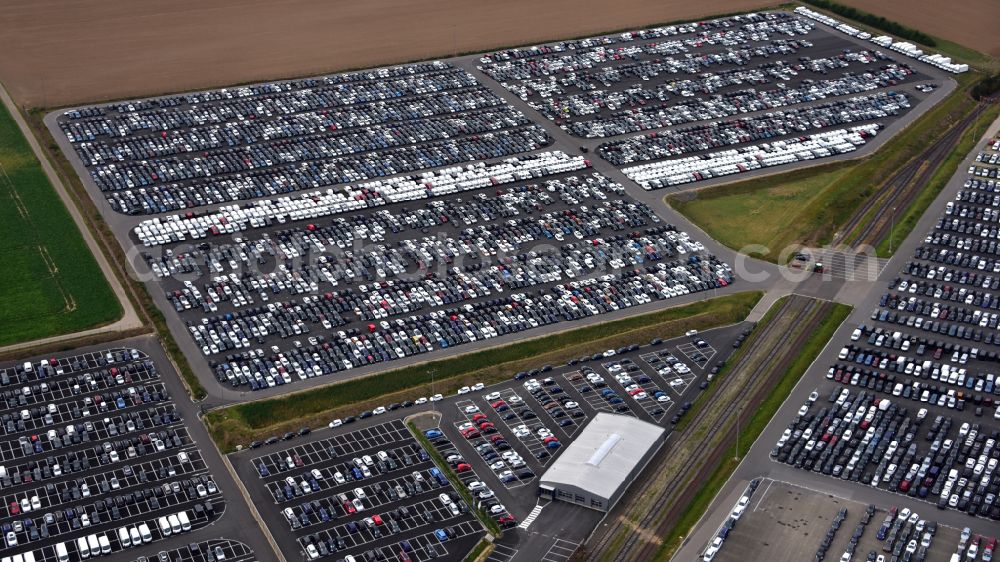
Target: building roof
x,y
604,454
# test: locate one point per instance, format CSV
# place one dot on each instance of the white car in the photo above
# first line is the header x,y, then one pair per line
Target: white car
x,y
690,333
464,390
492,396
712,549
475,485
336,423
478,386
421,400
437,398
379,411
497,509
471,409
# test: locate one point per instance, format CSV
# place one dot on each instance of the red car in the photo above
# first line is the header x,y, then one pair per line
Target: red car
x,y
377,519
462,467
14,508
486,425
479,416
498,404
349,508
470,433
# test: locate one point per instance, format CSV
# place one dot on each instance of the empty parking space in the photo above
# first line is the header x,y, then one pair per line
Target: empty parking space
x,y
214,550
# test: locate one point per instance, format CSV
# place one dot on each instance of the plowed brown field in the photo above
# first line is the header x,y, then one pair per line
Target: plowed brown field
x,y
63,52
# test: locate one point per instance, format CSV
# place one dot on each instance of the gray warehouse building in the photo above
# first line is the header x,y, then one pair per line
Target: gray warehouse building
x,y
597,467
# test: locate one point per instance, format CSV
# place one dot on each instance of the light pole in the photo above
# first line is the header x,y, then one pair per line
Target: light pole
x,y
433,402
892,225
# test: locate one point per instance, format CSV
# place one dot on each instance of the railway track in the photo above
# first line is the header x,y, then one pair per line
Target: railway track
x,y
674,494
903,186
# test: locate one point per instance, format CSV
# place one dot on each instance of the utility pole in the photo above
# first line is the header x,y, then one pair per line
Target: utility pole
x,y
892,226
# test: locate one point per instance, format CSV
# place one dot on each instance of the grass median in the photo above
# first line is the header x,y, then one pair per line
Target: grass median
x,y
51,284
815,202
456,482
242,423
752,429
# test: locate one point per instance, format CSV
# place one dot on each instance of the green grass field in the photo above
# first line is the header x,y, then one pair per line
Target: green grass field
x,y
813,203
51,284
241,423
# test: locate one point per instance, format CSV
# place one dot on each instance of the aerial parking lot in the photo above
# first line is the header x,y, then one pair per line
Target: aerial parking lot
x,y
97,461
784,521
281,250
810,93
369,493
910,405
366,485
283,301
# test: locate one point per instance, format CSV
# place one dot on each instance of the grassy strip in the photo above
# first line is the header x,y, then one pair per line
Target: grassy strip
x,y
911,215
480,551
136,291
483,517
816,201
51,284
748,434
241,423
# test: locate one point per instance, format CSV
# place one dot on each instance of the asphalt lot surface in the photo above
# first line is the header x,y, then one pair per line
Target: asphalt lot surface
x,y
784,521
758,462
516,406
95,442
822,39
341,512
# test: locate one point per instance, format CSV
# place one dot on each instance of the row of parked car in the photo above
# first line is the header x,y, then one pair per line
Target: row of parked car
x,y
667,173
154,157
608,113
442,329
874,440
644,53
722,134
234,218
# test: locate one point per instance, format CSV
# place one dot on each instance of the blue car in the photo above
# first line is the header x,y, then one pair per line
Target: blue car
x,y
263,470
441,535
433,433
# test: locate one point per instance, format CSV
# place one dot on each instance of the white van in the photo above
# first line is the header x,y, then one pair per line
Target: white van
x,y
93,545
29,556
164,525
82,548
144,533
105,544
134,535
175,523
124,538
62,555
185,522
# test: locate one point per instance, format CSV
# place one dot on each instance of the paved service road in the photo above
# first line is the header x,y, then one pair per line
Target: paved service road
x,y
758,463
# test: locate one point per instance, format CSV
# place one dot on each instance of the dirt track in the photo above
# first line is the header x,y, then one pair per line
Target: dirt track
x,y
63,52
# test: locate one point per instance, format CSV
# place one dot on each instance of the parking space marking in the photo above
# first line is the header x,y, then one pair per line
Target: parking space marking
x,y
532,424
699,355
487,438
646,386
560,551
589,393
662,363
501,553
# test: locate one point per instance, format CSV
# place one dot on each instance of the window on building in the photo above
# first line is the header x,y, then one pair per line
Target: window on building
x,y
596,503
